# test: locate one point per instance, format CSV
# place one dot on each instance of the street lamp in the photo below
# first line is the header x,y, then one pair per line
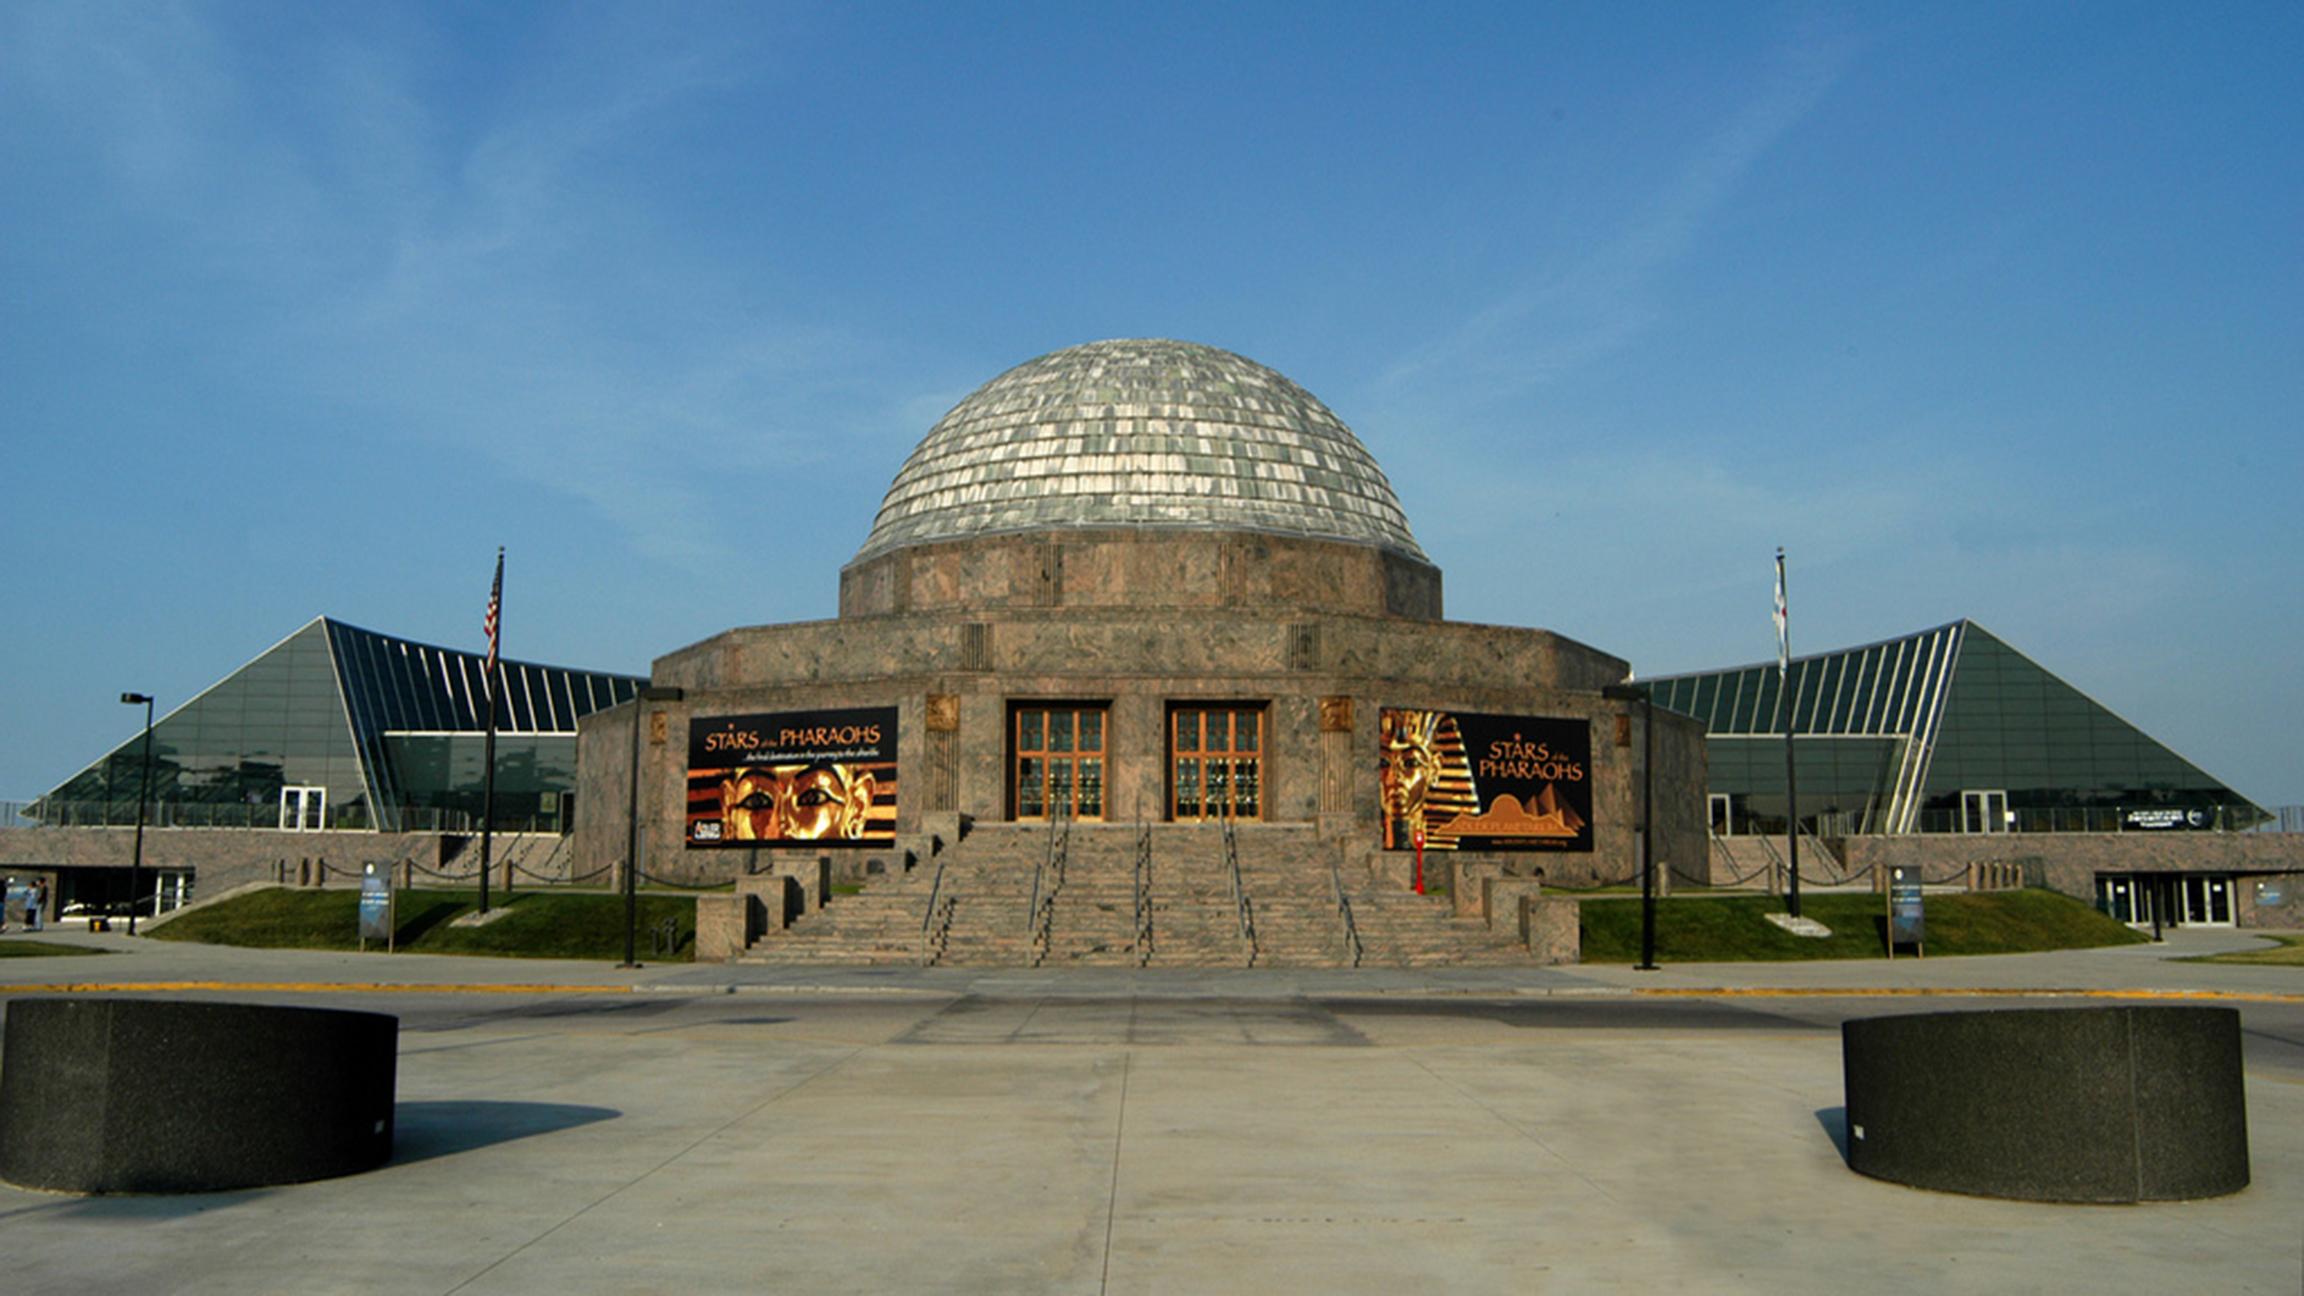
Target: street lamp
x,y
1639,692
143,797
640,701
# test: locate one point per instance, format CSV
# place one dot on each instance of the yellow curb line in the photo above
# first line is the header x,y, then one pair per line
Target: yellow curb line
x,y
366,987
1794,992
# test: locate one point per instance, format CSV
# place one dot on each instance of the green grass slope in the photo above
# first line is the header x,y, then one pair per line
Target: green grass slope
x,y
1728,929
540,924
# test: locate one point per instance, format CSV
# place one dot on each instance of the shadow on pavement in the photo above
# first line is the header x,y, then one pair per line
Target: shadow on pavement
x,y
1835,1123
424,1130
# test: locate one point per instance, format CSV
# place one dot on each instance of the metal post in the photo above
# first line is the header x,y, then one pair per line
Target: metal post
x,y
1791,778
632,845
640,701
143,798
488,794
1626,693
1647,831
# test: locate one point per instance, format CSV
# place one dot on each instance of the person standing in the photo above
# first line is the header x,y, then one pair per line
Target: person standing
x,y
36,908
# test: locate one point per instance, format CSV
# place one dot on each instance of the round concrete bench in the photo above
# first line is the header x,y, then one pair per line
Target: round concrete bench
x,y
156,1096
2050,1104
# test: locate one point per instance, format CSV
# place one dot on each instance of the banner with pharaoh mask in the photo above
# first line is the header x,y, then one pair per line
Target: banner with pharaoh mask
x,y
1484,782
823,778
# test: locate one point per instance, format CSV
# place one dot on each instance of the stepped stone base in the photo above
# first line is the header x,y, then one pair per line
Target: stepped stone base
x,y
972,904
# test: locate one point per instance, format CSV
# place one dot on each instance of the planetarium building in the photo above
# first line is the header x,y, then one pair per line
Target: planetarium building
x,y
1139,637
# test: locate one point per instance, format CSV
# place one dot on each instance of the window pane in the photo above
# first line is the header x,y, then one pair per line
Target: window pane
x,y
1091,731
1091,787
1219,785
1059,731
1188,731
1030,801
1249,722
1187,788
1219,731
1031,731
1244,793
1060,785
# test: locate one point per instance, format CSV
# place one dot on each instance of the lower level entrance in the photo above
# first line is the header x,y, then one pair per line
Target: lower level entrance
x,y
2173,899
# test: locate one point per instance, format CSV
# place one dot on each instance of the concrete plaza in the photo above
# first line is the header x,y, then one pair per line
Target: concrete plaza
x,y
572,1128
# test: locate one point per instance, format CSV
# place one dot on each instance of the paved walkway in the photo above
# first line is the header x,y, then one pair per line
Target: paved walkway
x,y
1111,1131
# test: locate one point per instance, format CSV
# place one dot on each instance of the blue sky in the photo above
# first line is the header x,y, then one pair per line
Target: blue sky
x,y
1979,310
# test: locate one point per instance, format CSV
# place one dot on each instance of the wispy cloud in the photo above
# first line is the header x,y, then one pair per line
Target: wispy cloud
x,y
482,277
1592,301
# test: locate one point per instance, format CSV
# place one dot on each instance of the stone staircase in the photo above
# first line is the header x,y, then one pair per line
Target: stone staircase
x,y
982,890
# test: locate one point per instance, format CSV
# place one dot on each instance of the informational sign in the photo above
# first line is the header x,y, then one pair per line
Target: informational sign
x,y
1907,917
826,778
1475,782
2164,819
375,905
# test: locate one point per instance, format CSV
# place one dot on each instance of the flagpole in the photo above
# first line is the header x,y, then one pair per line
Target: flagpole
x,y
1791,777
488,750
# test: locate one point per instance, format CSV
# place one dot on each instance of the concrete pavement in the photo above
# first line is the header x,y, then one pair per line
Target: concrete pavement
x,y
574,1128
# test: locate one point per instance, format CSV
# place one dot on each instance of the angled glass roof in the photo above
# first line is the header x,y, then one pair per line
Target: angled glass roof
x,y
1920,720
317,710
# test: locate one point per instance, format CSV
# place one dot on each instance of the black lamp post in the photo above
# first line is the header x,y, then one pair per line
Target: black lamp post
x,y
143,797
640,703
1626,693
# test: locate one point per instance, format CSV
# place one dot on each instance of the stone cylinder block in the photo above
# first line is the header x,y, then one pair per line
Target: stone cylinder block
x,y
162,1096
2114,1104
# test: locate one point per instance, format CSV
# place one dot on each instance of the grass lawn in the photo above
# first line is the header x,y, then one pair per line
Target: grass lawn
x,y
1724,929
11,948
541,924
2289,953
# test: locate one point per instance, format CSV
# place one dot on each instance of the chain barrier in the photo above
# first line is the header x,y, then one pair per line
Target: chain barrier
x,y
571,880
645,876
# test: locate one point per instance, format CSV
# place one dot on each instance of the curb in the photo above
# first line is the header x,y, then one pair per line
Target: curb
x,y
1575,992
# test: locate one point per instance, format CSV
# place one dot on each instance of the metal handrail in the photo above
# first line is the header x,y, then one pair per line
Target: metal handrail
x,y
931,948
935,890
1242,908
1735,879
1040,921
1352,943
1143,939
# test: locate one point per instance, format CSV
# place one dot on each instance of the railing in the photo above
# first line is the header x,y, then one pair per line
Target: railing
x,y
1728,863
355,816
936,920
1950,820
1143,937
1040,919
1353,950
1241,906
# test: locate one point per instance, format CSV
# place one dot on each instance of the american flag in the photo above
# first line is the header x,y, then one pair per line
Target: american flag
x,y
495,610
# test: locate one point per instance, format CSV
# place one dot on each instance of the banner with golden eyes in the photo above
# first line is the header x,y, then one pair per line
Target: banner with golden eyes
x,y
1484,782
823,778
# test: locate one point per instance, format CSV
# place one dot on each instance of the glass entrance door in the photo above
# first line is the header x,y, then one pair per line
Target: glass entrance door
x,y
1216,762
2124,898
1984,812
1059,766
303,809
2208,900
1723,813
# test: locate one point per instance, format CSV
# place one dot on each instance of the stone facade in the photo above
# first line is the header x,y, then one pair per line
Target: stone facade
x,y
1137,527
966,669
